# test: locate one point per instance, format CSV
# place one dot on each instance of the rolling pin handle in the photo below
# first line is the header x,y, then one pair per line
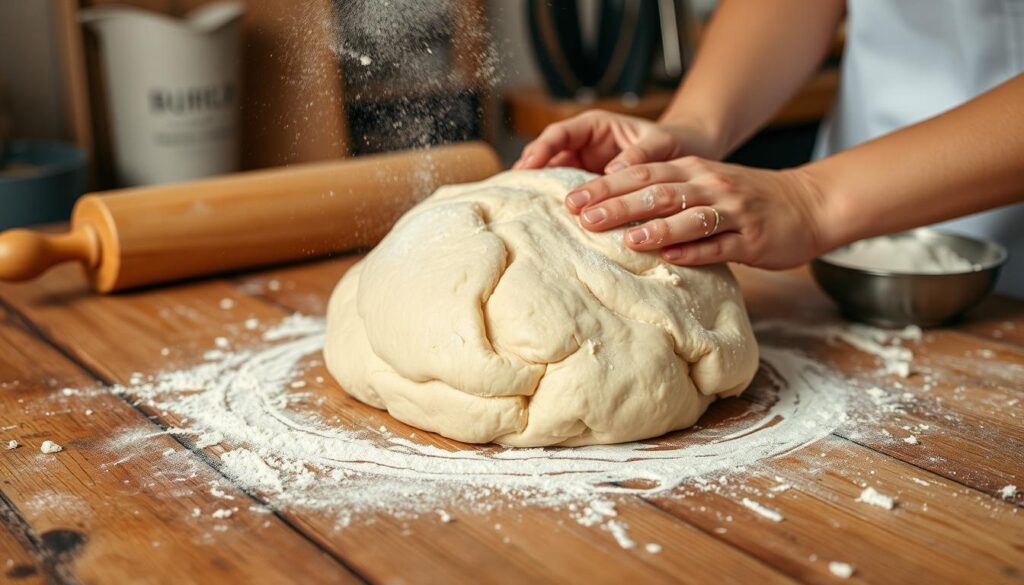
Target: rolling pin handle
x,y
25,254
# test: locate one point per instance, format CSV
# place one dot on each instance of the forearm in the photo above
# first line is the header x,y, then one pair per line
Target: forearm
x,y
964,161
754,56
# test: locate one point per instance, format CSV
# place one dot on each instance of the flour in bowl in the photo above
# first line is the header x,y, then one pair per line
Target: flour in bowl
x,y
901,254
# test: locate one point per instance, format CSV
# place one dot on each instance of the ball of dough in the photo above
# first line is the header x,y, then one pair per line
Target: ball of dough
x,y
489,314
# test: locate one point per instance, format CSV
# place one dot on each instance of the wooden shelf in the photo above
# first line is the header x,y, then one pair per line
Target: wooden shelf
x,y
531,109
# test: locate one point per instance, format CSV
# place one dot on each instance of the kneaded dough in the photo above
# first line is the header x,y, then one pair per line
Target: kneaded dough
x,y
489,314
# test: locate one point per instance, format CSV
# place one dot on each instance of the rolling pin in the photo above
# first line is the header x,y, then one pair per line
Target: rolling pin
x,y
142,236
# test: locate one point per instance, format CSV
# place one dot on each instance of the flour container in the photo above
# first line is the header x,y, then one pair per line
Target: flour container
x,y
172,90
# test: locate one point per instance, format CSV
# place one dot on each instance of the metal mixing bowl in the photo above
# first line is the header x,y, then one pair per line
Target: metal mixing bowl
x,y
897,299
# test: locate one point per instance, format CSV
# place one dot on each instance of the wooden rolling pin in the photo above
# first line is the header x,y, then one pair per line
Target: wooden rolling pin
x,y
149,235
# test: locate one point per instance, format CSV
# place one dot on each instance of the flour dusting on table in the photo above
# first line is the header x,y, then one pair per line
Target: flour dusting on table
x,y
272,441
258,411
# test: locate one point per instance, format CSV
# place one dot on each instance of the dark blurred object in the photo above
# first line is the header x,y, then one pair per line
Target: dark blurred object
x,y
39,182
416,73
620,60
5,122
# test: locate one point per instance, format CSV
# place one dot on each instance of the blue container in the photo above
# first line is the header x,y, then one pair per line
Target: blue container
x,y
39,182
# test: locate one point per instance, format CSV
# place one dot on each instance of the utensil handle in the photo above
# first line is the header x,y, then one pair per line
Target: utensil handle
x,y
25,254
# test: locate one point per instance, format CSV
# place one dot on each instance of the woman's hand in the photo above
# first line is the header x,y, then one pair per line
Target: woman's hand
x,y
603,142
701,212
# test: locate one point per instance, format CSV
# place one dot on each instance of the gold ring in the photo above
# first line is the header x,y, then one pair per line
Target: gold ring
x,y
718,221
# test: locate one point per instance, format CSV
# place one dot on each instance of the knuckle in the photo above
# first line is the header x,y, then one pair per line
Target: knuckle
x,y
664,196
738,208
598,190
640,173
718,182
617,208
714,249
755,243
693,162
659,229
552,132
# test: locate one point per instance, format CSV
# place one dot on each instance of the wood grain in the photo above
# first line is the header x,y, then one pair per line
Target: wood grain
x,y
92,511
16,564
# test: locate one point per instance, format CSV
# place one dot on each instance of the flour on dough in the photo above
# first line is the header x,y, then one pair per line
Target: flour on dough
x,y
488,314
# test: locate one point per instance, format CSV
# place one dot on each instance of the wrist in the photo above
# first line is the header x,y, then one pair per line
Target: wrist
x,y
826,216
705,136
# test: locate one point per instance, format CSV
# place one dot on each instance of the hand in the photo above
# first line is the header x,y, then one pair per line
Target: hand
x,y
600,142
701,212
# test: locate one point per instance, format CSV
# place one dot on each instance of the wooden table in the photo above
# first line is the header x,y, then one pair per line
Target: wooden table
x,y
75,517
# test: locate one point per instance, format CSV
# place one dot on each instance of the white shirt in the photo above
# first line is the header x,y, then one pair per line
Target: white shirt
x,y
908,60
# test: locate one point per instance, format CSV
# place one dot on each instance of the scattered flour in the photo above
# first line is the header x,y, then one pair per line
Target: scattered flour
x,y
763,510
241,400
620,533
841,570
653,548
1008,492
886,345
12,445
874,498
908,255
275,443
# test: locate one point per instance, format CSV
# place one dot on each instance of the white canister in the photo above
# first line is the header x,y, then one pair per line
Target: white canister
x,y
173,90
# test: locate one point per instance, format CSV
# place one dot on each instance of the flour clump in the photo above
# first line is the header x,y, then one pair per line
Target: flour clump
x,y
488,314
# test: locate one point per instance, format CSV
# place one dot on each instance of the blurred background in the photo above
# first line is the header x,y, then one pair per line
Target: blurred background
x,y
101,94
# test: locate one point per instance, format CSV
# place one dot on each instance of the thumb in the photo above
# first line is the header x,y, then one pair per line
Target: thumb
x,y
648,149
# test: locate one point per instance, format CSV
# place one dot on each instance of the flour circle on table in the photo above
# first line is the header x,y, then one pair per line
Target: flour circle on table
x,y
243,401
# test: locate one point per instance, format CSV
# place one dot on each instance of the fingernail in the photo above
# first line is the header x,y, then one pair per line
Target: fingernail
x,y
615,167
672,255
638,236
525,161
595,215
579,198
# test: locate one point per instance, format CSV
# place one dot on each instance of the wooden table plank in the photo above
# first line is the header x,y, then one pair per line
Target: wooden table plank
x,y
16,564
541,545
938,533
104,520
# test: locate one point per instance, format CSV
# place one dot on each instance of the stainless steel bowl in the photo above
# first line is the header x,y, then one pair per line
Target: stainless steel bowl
x,y
897,299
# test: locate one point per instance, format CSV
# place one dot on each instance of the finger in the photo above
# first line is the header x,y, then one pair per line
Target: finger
x,y
654,148
615,184
566,158
686,226
659,200
728,247
571,134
